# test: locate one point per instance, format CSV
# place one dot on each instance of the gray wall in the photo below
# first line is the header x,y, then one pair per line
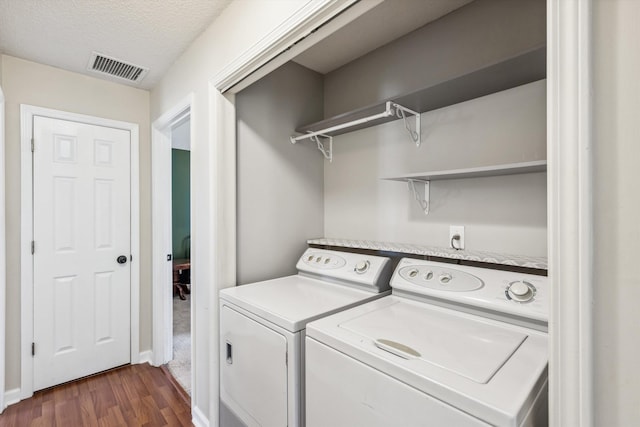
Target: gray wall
x,y
479,34
501,214
280,185
616,152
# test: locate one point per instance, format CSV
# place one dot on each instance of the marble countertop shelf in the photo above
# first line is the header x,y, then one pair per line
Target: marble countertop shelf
x,y
414,249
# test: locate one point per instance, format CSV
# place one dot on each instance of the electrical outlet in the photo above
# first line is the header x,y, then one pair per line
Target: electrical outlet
x,y
456,230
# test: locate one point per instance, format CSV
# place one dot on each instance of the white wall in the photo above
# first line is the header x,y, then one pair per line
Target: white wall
x,y
500,214
617,204
26,82
241,25
280,185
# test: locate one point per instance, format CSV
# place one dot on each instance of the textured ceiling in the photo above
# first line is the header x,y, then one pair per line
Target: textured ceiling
x,y
63,33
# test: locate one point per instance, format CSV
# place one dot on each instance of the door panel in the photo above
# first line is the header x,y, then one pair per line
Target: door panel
x,y
81,191
253,368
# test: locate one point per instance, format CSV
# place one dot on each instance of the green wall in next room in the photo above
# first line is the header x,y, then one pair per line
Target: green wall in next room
x,y
181,227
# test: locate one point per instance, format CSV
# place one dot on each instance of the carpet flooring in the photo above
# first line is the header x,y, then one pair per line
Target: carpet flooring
x,y
180,366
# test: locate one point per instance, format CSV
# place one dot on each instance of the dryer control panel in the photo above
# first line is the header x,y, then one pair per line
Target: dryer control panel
x,y
483,289
362,271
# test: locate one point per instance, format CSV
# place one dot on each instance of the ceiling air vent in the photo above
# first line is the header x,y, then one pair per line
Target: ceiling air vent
x,y
103,64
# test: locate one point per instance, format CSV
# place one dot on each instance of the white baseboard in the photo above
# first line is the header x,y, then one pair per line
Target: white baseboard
x,y
11,397
146,357
199,419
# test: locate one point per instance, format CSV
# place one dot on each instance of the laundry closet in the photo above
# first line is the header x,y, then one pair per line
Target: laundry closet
x,y
477,72
417,117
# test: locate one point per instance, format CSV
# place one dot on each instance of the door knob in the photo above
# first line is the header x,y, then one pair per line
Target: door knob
x,y
122,259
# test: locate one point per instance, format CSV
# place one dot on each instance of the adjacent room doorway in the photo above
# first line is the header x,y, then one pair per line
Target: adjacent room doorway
x,y
180,363
172,263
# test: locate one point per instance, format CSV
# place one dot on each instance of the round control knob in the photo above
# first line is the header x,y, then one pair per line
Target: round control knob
x,y
361,267
429,275
413,273
445,278
520,291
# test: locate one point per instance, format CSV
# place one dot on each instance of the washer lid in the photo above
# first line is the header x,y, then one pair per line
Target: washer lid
x,y
487,368
461,345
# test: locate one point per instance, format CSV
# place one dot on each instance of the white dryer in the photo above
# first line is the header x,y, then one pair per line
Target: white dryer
x,y
452,346
262,330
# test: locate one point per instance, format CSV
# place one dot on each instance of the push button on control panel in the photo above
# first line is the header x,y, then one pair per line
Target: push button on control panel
x,y
445,278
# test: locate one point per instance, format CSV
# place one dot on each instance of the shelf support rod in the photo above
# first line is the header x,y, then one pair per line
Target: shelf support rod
x,y
421,197
323,132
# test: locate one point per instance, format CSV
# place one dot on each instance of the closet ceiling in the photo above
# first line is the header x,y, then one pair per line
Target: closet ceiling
x,y
64,33
381,25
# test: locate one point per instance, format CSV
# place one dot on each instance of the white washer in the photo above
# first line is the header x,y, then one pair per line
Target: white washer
x,y
452,346
262,328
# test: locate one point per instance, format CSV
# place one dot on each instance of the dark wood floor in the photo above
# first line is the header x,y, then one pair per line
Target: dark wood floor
x,y
134,395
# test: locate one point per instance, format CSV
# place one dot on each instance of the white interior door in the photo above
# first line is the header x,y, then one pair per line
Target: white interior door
x,y
81,226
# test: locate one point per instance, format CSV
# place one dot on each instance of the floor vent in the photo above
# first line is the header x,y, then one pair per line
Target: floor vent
x,y
103,64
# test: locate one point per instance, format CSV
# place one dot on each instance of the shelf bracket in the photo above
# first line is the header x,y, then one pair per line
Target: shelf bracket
x,y
421,195
326,152
401,113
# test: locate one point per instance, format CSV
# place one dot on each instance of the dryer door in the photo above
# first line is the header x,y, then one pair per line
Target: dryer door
x,y
253,370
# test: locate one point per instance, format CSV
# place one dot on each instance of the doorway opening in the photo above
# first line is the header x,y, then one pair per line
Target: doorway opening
x,y
171,183
180,364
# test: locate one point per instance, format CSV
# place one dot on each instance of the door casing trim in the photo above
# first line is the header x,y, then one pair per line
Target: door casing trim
x,y
27,112
3,257
161,223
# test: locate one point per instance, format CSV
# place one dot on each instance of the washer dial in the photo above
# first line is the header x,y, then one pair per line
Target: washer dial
x,y
521,291
362,267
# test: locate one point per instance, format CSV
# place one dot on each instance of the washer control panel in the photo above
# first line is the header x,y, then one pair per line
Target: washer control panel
x,y
520,294
323,261
436,277
363,271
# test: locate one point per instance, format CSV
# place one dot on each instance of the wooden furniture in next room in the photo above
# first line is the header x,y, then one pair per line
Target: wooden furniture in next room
x,y
179,266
